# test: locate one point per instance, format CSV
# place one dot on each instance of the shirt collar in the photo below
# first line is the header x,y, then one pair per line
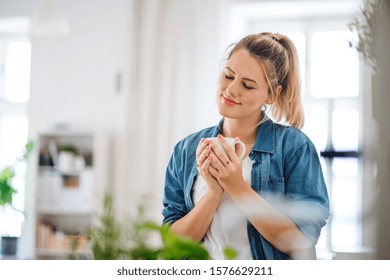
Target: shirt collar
x,y
265,139
218,128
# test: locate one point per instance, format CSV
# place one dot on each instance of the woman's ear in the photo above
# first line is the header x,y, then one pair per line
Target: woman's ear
x,y
278,91
271,99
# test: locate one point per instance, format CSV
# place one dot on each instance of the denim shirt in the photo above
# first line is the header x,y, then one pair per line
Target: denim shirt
x,y
286,171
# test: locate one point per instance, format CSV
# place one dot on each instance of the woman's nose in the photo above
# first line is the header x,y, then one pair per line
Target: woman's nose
x,y
232,89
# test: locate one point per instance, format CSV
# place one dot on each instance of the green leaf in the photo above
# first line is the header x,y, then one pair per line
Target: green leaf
x,y
7,174
28,148
6,190
230,253
181,248
144,253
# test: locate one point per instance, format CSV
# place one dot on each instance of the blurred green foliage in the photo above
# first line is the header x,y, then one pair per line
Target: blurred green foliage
x,y
111,241
8,173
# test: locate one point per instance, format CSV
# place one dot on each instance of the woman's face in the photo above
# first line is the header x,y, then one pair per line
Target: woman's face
x,y
243,88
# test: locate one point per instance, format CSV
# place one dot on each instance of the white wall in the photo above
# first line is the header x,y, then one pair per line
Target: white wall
x,y
73,79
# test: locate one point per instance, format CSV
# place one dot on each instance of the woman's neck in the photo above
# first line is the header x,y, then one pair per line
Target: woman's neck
x,y
245,130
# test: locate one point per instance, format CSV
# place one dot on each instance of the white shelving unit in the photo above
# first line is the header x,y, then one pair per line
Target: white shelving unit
x,y
70,183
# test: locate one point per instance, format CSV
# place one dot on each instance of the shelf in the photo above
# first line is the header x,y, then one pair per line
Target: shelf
x,y
56,243
70,212
54,171
61,194
70,170
64,222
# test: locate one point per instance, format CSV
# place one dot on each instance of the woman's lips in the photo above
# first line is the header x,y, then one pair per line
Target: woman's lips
x,y
230,102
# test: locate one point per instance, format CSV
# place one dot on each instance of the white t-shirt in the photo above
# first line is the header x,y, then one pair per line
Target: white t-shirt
x,y
229,225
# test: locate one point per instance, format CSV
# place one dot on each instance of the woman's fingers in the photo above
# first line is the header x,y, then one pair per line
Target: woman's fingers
x,y
229,154
218,151
223,151
222,155
202,151
200,147
219,168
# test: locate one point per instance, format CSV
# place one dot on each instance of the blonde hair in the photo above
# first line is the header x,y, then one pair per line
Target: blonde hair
x,y
278,57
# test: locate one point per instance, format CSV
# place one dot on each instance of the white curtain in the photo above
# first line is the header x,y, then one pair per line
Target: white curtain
x,y
177,48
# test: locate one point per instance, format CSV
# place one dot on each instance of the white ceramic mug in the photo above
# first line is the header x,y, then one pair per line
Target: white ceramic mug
x,y
232,143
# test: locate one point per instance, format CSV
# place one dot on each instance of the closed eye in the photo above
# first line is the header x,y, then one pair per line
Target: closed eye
x,y
246,86
229,76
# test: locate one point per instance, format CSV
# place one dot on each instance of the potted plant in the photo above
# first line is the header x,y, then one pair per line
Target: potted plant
x,y
8,243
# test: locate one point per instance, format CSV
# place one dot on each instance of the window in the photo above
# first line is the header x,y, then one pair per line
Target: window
x,y
15,52
331,90
332,104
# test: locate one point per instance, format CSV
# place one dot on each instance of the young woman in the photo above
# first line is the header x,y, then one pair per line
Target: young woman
x,y
274,202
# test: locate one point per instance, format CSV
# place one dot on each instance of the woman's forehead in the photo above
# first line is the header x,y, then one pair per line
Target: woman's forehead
x,y
244,64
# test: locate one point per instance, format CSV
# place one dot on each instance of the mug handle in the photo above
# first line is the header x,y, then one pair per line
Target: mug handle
x,y
243,148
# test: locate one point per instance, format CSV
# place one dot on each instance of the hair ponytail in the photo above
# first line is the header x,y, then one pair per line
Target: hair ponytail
x,y
288,104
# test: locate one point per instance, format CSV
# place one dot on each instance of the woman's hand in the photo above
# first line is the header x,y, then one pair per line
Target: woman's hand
x,y
203,159
227,168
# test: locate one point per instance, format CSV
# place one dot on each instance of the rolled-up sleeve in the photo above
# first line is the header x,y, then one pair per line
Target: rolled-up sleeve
x,y
306,197
174,206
